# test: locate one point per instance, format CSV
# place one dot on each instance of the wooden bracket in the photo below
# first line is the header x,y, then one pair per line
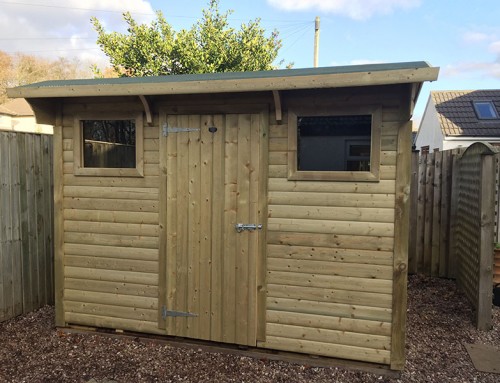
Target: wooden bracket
x,y
277,105
147,109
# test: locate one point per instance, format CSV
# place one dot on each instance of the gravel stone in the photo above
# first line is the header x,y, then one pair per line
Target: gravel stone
x,y
439,324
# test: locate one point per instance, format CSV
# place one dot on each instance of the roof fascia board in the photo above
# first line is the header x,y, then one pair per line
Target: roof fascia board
x,y
337,80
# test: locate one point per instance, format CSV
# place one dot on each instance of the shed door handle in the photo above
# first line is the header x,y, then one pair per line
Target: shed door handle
x,y
247,226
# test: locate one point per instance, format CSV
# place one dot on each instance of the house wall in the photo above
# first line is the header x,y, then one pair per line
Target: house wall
x,y
430,133
24,124
330,245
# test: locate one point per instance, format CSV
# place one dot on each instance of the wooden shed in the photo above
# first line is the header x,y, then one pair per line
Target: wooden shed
x,y
264,209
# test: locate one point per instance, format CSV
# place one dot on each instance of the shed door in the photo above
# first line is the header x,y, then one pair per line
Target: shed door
x,y
212,184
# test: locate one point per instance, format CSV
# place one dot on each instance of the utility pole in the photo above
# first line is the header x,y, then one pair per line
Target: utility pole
x,y
316,41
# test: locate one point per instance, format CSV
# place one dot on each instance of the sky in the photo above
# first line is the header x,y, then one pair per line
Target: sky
x,y
462,37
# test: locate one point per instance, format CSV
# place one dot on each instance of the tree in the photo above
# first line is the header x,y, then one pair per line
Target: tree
x,y
211,45
20,69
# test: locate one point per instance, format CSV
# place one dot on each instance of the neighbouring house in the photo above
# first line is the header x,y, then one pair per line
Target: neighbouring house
x,y
263,209
455,119
17,116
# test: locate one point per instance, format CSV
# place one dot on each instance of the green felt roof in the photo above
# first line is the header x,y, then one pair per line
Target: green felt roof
x,y
232,75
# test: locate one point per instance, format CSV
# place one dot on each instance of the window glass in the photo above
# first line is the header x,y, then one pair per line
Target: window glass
x,y
485,110
334,143
109,143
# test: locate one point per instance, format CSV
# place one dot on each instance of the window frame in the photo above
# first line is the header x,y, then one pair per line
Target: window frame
x,y
78,165
311,175
491,104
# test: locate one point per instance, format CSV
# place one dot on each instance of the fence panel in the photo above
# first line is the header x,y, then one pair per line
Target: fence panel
x,y
431,210
475,191
26,228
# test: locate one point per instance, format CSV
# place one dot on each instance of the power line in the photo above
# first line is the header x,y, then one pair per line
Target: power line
x,y
135,13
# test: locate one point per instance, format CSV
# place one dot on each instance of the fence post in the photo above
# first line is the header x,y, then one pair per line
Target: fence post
x,y
452,251
412,251
485,280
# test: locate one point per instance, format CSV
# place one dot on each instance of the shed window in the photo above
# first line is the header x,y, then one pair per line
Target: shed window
x,y
334,145
108,145
485,110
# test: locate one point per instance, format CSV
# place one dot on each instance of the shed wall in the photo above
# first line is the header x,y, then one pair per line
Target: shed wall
x,y
330,247
110,234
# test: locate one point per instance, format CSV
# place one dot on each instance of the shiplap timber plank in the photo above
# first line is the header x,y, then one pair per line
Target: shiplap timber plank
x,y
317,253
111,228
331,268
130,217
110,204
111,275
113,193
375,229
337,282
350,314
331,199
329,336
358,214
110,182
331,240
111,251
103,298
112,240
316,332
283,185
331,350
122,288
134,313
139,266
330,295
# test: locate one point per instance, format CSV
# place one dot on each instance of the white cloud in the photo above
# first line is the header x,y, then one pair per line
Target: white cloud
x,y
355,9
495,47
63,28
476,37
473,69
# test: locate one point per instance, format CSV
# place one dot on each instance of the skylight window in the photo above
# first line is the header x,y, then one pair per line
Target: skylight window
x,y
485,110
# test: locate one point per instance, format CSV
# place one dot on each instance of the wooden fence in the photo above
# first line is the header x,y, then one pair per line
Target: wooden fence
x,y
26,217
431,213
473,234
453,218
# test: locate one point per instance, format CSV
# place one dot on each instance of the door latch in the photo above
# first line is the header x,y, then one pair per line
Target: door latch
x,y
247,226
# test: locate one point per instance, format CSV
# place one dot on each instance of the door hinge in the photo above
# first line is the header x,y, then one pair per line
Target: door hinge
x,y
169,313
167,130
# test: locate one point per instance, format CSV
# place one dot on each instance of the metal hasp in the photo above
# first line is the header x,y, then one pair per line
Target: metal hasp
x,y
247,226
167,130
168,313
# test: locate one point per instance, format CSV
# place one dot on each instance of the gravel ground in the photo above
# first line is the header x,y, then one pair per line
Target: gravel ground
x,y
439,324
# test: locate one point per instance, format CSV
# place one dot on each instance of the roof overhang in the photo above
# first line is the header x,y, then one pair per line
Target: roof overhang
x,y
277,80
